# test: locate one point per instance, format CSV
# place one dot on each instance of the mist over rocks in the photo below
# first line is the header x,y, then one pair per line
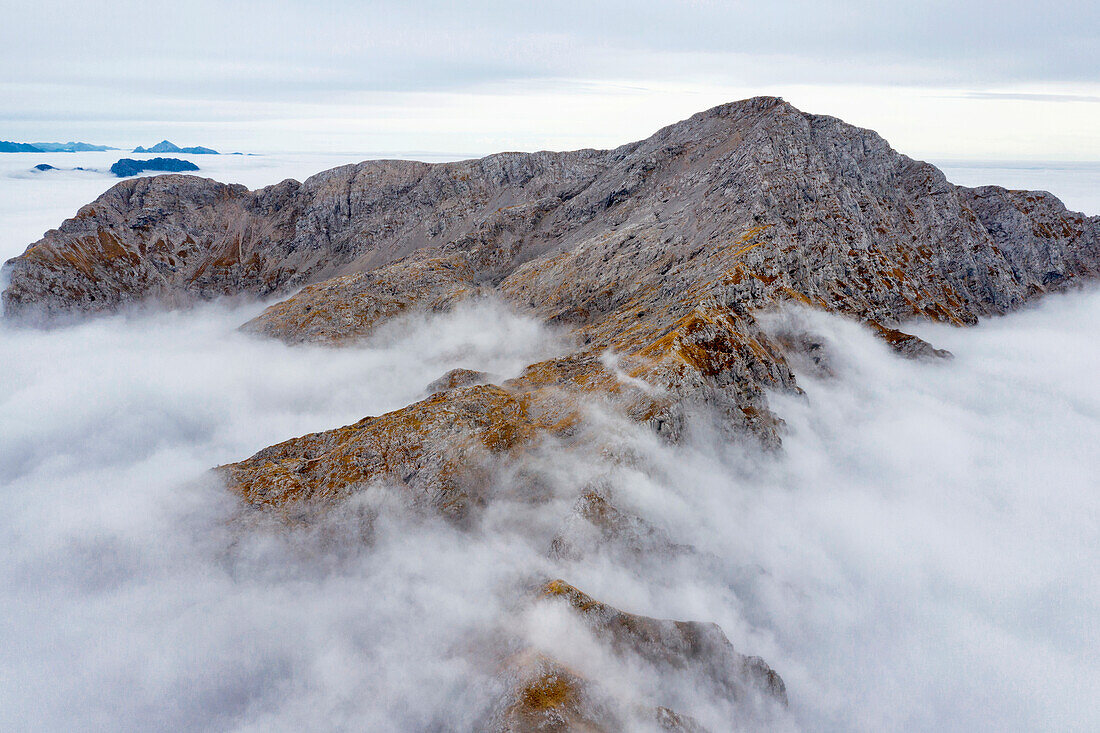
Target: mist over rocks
x,y
659,251
680,299
839,560
547,695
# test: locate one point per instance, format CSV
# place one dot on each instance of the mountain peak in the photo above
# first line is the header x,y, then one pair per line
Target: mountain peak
x,y
734,170
165,146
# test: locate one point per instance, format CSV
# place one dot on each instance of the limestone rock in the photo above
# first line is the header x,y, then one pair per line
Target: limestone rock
x,y
749,202
676,646
908,345
350,307
658,259
440,449
597,524
458,378
545,695
167,238
443,449
542,693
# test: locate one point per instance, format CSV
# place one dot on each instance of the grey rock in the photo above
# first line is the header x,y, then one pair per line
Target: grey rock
x,y
833,215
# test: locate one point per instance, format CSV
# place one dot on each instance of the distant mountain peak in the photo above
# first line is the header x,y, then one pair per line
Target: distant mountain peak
x,y
14,147
130,167
72,147
166,146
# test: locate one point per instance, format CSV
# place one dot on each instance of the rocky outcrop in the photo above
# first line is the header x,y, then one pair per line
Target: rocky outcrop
x,y
542,693
166,238
346,308
597,525
458,378
698,650
440,449
655,256
906,344
347,220
545,695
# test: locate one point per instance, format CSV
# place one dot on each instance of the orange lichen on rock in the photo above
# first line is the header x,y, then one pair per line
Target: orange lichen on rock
x,y
906,344
441,448
549,690
352,306
545,695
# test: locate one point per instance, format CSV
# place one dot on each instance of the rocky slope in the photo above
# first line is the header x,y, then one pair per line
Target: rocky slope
x,y
835,215
544,694
655,260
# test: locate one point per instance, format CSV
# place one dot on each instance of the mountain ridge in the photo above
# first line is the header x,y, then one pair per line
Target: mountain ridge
x,y
654,261
660,251
314,232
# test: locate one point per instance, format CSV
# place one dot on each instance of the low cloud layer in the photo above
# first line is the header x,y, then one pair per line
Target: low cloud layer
x,y
131,600
919,557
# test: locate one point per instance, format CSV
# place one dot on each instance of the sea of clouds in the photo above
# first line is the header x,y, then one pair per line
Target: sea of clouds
x,y
920,556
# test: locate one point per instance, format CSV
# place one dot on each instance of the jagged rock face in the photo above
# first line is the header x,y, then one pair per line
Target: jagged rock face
x,y
458,378
542,693
676,646
748,202
444,449
169,238
596,524
658,252
545,695
182,238
808,208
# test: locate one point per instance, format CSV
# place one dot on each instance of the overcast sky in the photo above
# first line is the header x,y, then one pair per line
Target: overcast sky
x,y
985,80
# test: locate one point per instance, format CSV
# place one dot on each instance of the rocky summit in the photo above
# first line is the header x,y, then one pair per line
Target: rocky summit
x,y
654,261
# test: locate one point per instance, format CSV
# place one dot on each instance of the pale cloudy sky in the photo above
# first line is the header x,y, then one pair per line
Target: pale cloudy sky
x,y
982,80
